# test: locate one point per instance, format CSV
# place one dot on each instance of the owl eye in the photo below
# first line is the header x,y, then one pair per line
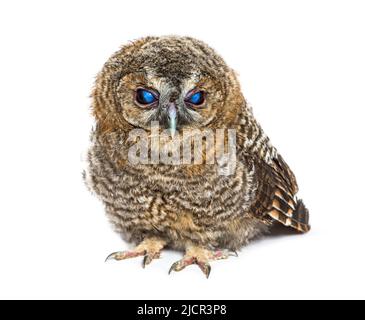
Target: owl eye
x,y
145,97
197,99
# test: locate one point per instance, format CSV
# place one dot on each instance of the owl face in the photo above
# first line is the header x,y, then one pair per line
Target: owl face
x,y
192,101
179,82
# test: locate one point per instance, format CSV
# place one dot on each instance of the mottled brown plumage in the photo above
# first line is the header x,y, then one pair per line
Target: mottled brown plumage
x,y
189,207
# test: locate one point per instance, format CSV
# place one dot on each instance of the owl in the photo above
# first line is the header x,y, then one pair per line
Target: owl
x,y
176,87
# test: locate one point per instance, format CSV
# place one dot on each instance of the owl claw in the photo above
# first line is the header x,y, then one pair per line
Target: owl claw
x,y
201,257
122,255
174,268
150,248
206,268
149,257
112,256
183,263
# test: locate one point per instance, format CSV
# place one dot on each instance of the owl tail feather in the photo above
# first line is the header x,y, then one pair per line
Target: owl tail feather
x,y
277,196
292,213
300,219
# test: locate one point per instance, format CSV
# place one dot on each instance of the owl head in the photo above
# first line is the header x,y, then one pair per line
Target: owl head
x,y
178,81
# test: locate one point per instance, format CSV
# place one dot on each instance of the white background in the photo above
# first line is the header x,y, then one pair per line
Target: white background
x,y
302,68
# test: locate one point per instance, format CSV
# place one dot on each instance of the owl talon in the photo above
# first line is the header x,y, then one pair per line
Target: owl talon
x,y
201,257
175,267
149,257
183,263
122,255
110,257
146,261
150,248
205,267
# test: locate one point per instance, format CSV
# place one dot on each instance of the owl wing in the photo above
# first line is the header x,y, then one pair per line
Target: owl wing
x,y
275,194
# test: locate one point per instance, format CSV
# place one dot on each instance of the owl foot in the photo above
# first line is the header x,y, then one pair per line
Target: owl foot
x,y
149,248
201,257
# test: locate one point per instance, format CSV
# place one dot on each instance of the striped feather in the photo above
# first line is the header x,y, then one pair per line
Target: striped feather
x,y
276,195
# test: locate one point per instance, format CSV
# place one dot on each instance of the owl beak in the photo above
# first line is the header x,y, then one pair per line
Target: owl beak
x,y
172,115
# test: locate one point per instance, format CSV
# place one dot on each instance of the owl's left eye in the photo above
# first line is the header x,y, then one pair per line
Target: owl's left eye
x,y
197,98
145,97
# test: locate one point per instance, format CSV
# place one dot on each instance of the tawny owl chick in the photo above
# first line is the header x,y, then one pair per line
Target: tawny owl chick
x,y
182,85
